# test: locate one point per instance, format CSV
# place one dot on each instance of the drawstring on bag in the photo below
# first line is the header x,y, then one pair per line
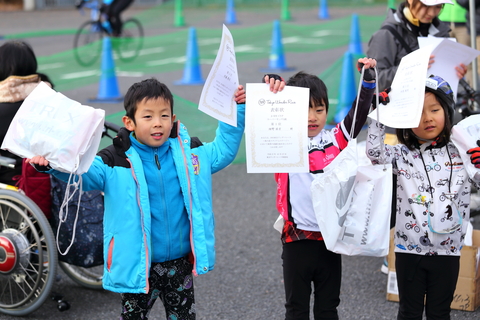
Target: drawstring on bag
x,y
382,146
63,216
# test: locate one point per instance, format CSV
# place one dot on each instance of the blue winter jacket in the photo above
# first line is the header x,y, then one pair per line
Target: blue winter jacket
x,y
118,171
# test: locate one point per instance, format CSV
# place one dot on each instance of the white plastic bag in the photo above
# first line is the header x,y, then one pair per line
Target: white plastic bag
x,y
62,130
352,203
464,136
357,221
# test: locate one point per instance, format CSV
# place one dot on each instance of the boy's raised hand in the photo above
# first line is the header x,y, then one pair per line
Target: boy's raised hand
x,y
276,82
240,95
369,63
38,160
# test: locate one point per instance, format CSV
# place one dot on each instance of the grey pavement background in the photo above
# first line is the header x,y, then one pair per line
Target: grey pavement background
x,y
247,280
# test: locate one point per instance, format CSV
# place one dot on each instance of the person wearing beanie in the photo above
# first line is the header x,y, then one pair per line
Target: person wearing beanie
x,y
432,204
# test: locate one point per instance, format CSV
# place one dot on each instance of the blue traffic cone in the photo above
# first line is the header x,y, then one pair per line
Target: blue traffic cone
x,y
323,10
192,73
230,16
277,58
108,91
355,45
347,89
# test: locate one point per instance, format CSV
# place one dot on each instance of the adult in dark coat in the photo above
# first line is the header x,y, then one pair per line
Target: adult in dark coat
x,y
18,77
412,19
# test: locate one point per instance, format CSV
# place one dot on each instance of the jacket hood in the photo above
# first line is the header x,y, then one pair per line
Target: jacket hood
x,y
15,88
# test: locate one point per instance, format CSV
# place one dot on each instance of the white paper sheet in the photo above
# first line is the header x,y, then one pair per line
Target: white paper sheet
x,y
276,129
447,55
217,98
408,92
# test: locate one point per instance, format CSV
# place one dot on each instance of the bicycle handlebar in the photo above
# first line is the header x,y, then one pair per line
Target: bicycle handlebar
x,y
471,93
110,126
7,162
474,96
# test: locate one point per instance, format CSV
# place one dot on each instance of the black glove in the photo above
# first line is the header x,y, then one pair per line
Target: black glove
x,y
369,74
272,75
475,155
383,98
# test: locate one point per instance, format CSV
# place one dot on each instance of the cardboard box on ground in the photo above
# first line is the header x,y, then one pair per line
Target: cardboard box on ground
x,y
467,293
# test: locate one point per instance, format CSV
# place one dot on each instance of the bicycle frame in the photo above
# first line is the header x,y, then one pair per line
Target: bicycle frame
x,y
97,15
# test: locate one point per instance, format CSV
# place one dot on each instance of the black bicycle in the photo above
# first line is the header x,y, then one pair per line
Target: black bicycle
x,y
468,101
87,45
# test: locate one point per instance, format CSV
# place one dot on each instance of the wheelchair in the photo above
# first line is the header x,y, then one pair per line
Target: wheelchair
x,y
28,251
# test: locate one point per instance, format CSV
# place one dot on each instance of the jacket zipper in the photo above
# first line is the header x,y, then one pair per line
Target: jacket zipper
x,y
190,200
145,243
164,206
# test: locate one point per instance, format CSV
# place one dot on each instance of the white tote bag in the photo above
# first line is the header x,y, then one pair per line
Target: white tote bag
x,y
352,204
62,130
464,136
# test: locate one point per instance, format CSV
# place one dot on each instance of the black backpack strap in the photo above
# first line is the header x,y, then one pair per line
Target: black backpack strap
x,y
397,35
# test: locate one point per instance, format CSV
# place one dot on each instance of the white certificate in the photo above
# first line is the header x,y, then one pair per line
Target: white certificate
x,y
447,55
408,92
276,129
217,98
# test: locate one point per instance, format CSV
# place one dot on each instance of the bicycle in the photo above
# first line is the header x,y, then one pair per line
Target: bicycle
x,y
87,45
28,251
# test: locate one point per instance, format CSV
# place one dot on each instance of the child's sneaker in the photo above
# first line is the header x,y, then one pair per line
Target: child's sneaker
x,y
384,268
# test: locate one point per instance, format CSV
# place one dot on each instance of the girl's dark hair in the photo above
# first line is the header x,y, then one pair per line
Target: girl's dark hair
x,y
408,138
17,59
146,89
318,89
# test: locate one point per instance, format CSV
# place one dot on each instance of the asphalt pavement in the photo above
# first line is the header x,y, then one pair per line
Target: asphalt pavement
x,y
247,280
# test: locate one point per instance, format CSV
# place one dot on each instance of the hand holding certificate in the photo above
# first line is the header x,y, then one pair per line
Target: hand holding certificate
x,y
408,87
276,136
217,95
408,92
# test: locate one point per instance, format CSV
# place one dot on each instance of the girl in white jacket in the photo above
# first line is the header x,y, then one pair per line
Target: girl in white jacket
x,y
433,195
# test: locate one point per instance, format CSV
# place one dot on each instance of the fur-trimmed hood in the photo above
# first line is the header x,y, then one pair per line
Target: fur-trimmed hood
x,y
15,88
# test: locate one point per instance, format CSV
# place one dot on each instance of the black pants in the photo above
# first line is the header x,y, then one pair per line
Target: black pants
x,y
113,11
172,282
429,279
308,261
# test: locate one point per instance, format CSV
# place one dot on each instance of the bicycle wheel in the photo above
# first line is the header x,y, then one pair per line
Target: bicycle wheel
x,y
131,42
28,255
87,45
86,277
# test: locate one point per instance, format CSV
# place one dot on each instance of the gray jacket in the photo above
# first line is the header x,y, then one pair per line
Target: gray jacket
x,y
388,51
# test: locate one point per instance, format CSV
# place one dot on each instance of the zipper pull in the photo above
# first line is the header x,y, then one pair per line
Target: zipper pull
x,y
157,162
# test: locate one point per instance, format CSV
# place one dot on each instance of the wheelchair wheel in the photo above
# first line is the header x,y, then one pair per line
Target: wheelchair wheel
x,y
28,255
131,42
86,277
87,44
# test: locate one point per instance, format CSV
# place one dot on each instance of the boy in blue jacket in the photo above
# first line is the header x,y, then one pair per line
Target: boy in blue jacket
x,y
158,221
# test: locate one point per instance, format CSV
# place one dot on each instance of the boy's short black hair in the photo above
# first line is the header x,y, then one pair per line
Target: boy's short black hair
x,y
318,89
146,89
17,59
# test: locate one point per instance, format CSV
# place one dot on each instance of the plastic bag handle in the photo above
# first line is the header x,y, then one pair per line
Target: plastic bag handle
x,y
382,145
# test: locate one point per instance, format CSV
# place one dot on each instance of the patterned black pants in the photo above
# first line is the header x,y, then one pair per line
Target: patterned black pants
x,y
172,282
